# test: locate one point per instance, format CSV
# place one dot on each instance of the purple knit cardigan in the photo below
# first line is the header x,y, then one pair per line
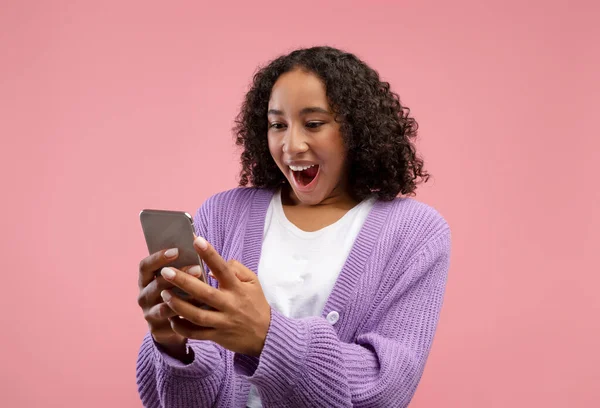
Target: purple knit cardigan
x,y
388,297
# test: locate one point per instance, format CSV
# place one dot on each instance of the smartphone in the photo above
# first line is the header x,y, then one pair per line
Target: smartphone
x,y
172,229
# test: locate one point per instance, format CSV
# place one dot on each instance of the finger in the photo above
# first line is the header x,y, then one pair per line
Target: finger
x,y
194,314
150,294
215,262
196,288
159,312
153,262
194,270
189,330
242,273
165,335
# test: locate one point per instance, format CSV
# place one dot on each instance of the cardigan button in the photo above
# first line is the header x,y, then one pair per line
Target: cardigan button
x,y
333,317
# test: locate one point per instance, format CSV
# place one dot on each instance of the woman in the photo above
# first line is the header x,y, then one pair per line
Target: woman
x,y
350,279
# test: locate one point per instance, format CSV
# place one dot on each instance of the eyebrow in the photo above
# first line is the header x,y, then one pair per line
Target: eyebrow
x,y
310,109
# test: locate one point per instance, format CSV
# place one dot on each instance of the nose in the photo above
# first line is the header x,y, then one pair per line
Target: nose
x,y
294,141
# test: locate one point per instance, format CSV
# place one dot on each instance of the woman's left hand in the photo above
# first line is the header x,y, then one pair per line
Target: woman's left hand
x,y
241,316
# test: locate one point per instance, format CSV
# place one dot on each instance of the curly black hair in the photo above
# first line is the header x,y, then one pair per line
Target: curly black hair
x,y
377,130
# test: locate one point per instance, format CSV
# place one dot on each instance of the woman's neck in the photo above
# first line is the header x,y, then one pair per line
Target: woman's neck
x,y
339,199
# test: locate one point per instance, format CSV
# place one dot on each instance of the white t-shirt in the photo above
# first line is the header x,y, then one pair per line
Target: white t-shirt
x,y
298,269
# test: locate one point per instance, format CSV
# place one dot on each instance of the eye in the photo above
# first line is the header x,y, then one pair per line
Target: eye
x,y
314,125
276,126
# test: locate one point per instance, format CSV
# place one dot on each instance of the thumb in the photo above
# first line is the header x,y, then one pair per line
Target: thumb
x,y
244,274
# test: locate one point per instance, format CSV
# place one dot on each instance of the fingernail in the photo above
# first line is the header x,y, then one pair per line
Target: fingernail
x,y
171,253
195,271
165,295
201,243
167,273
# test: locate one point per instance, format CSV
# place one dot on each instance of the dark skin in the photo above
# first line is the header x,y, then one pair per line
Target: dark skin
x,y
156,312
240,317
303,130
314,217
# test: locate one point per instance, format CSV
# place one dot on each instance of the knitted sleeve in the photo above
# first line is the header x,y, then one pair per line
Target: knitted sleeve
x,y
304,364
166,382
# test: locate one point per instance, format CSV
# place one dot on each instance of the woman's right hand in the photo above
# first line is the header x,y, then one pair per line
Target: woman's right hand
x,y
156,312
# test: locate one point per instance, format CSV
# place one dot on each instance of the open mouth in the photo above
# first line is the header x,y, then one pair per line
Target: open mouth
x,y
306,176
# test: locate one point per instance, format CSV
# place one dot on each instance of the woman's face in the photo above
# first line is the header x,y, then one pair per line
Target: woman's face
x,y
305,140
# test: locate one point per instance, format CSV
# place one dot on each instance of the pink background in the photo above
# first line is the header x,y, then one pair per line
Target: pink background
x,y
110,107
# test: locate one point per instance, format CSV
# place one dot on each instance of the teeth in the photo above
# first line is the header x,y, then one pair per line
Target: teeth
x,y
301,168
